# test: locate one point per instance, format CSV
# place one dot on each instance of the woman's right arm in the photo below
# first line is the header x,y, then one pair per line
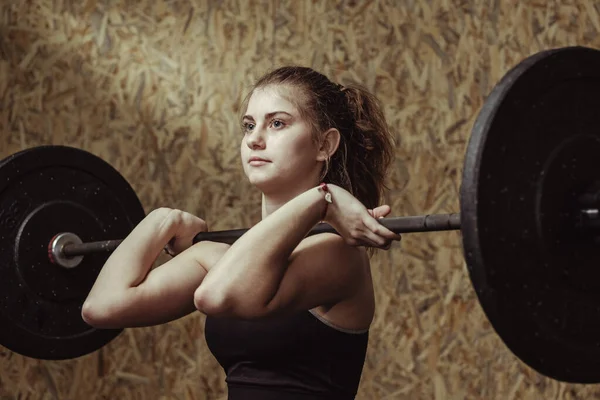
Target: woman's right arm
x,y
128,294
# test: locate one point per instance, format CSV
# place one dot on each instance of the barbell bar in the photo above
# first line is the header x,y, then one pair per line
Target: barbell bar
x,y
412,224
421,223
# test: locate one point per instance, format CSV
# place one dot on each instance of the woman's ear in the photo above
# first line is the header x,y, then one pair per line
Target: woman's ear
x,y
329,144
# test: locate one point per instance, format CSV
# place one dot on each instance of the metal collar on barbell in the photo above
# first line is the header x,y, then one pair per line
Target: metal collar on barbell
x,y
56,251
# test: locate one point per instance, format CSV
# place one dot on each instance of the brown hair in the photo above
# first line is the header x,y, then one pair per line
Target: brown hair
x,y
365,151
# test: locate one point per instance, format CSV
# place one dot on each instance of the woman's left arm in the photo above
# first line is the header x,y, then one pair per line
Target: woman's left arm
x,y
266,271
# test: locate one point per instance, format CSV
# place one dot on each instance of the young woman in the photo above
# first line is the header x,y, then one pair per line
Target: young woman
x,y
287,315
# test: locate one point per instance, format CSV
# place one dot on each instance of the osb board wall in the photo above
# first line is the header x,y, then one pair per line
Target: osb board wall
x,y
154,88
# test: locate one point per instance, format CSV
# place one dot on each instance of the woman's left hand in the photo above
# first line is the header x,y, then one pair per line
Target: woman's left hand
x,y
357,224
188,226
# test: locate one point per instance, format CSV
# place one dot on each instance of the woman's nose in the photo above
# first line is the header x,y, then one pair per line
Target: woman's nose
x,y
255,139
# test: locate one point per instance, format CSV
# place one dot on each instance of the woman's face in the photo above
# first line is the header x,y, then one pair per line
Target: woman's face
x,y
278,151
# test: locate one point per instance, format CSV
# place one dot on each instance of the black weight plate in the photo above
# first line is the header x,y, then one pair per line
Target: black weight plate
x,y
534,149
44,191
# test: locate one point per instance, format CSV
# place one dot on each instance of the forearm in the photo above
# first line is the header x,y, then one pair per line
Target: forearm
x,y
247,277
128,292
130,263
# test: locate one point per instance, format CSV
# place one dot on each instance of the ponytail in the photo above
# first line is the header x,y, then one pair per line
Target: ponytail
x,y
365,153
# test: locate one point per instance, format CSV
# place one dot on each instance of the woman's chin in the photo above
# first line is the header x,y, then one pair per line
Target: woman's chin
x,y
270,184
262,183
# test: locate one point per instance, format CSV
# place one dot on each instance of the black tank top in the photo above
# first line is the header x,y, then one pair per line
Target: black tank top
x,y
295,357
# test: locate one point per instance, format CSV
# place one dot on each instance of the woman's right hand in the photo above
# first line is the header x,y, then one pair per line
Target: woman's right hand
x,y
357,224
187,227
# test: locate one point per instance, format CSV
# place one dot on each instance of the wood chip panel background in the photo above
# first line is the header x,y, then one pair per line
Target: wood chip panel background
x,y
155,88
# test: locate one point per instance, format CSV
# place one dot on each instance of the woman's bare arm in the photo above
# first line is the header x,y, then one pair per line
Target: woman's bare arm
x,y
271,269
127,293
268,271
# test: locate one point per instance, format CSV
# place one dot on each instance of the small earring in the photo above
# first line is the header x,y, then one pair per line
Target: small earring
x,y
326,169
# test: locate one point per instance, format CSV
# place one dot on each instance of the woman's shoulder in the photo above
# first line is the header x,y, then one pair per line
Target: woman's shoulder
x,y
333,243
353,260
354,312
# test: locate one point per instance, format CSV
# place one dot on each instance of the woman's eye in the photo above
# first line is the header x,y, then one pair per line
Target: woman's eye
x,y
248,126
277,124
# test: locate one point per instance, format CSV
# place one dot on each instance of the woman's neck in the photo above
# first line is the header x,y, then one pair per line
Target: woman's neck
x,y
271,202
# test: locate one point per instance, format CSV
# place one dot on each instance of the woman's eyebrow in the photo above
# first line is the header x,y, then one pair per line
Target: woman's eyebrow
x,y
268,115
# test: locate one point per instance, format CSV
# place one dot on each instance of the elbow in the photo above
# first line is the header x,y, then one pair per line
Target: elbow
x,y
218,304
100,316
210,302
92,315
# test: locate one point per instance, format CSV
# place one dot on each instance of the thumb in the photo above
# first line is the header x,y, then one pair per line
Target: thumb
x,y
381,211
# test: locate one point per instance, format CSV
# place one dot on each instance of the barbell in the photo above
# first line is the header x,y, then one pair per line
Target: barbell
x,y
529,220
